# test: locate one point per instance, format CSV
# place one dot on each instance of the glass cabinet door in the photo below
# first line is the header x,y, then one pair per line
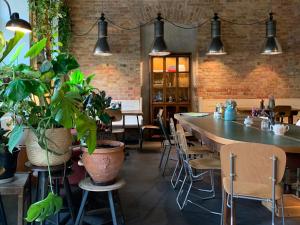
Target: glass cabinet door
x,y
158,87
183,87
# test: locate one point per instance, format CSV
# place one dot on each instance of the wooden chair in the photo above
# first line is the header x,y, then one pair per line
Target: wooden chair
x,y
206,165
282,111
252,171
192,150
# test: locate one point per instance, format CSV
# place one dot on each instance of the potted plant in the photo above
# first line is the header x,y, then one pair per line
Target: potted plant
x,y
48,102
106,160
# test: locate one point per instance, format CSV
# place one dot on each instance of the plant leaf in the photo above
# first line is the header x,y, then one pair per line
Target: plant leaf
x,y
2,41
46,66
36,49
16,54
41,210
15,136
90,78
87,130
11,44
66,107
64,63
16,90
76,77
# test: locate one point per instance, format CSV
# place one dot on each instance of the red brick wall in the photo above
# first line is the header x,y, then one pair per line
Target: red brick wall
x,y
243,73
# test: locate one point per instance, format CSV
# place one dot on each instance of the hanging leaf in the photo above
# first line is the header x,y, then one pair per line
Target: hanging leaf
x,y
15,137
36,49
16,54
87,129
11,44
46,66
43,209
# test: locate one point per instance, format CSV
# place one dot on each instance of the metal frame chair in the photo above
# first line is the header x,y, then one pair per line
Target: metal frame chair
x,y
167,143
252,171
208,165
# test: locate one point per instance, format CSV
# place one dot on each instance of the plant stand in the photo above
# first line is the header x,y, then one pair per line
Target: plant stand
x,y
60,172
20,187
87,185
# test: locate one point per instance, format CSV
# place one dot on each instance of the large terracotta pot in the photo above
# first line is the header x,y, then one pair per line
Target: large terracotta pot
x,y
60,140
105,163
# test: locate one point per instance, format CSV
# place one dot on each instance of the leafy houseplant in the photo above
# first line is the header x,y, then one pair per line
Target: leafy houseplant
x,y
49,97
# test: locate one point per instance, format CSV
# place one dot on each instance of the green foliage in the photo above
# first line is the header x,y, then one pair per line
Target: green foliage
x,y
36,49
9,45
41,210
64,29
15,137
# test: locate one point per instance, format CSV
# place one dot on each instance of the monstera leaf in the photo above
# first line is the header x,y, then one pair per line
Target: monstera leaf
x,y
41,210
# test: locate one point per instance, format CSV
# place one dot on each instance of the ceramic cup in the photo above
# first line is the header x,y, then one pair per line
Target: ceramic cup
x,y
279,129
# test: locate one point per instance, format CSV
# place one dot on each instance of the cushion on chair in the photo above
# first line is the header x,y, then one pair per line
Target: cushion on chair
x,y
118,130
198,149
205,164
253,189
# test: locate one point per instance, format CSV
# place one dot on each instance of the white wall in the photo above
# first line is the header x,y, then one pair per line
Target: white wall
x,y
21,7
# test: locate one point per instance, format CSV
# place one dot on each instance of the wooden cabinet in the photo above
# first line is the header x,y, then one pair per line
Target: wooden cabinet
x,y
170,85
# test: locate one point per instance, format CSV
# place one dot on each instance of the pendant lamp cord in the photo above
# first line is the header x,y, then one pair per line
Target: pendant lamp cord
x,y
187,28
8,6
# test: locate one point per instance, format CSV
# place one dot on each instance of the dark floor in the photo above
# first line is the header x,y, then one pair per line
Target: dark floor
x,y
148,198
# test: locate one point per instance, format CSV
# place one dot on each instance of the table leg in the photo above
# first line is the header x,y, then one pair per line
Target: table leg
x,y
2,213
112,208
20,209
82,205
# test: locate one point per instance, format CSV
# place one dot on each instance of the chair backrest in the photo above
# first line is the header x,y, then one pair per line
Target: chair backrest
x,y
115,114
282,111
253,162
298,123
162,126
181,138
173,131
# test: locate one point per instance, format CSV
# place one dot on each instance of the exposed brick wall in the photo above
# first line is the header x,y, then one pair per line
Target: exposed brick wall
x,y
243,73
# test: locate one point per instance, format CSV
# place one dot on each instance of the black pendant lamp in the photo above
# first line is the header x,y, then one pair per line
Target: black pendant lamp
x,y
271,45
216,46
159,45
102,47
15,23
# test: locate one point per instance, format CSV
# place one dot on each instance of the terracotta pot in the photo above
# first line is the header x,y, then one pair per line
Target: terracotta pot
x,y
105,163
60,140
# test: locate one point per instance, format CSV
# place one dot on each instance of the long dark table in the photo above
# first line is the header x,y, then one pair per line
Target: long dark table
x,y
222,132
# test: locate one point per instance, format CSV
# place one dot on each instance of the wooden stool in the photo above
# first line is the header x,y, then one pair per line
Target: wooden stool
x,y
19,186
88,185
58,172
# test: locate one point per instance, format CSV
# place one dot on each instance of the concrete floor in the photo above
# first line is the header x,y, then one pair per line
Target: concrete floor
x,y
148,198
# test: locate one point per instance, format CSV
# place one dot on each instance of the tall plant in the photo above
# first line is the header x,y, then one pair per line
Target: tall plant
x,y
51,20
43,98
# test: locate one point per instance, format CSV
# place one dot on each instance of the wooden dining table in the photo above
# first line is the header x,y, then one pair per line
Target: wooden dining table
x,y
220,132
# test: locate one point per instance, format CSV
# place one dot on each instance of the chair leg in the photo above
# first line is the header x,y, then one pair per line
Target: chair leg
x,y
222,209
177,176
282,210
82,205
162,155
180,193
169,148
141,139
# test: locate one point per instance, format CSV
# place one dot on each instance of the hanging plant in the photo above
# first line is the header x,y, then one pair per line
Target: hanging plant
x,y
50,18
